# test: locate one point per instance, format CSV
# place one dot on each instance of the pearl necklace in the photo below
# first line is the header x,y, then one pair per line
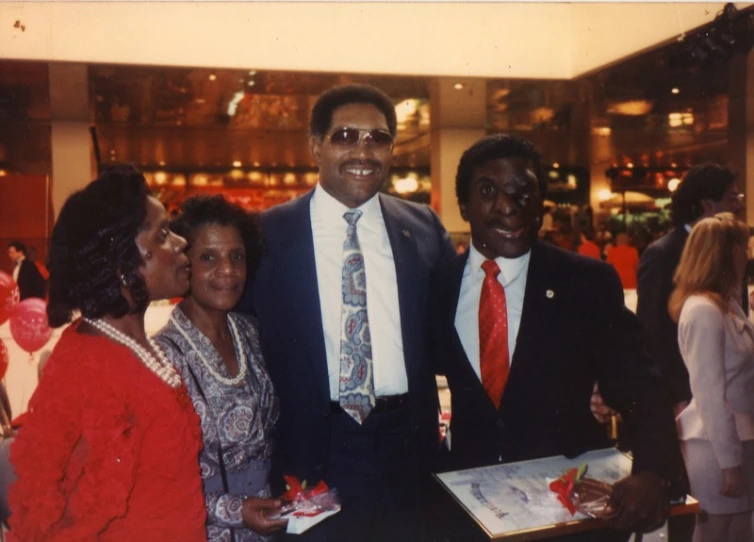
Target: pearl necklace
x,y
160,366
233,381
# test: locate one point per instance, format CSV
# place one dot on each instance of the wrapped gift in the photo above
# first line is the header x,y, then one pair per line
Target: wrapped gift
x,y
304,508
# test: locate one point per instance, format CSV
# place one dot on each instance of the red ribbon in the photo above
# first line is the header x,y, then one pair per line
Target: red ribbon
x,y
563,487
296,492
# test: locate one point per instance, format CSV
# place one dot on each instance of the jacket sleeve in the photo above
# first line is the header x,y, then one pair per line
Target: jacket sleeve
x,y
632,384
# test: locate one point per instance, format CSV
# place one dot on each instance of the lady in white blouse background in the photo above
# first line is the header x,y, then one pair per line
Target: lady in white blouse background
x,y
717,344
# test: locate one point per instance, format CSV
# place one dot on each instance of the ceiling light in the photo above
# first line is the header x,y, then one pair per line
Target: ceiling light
x,y
162,162
605,194
233,105
675,90
212,77
630,165
251,83
252,72
555,165
406,185
458,86
3,173
236,163
673,184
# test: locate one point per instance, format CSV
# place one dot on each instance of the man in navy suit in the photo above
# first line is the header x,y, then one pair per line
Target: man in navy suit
x,y
706,189
523,330
376,452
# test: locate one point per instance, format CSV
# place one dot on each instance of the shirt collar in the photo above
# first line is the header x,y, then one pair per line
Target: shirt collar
x,y
331,211
510,268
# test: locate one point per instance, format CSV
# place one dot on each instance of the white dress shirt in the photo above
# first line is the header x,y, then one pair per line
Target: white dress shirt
x,y
329,231
513,278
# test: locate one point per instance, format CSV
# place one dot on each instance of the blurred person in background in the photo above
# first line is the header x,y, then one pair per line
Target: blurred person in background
x,y
217,353
587,247
109,448
716,341
30,281
625,259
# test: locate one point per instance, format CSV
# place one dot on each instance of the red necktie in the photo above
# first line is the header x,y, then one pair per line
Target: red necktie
x,y
493,334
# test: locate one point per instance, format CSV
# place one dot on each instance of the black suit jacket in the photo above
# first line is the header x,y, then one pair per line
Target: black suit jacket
x,y
30,281
653,288
574,330
285,297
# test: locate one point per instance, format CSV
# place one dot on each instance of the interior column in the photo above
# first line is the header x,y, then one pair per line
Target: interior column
x,y
458,116
73,164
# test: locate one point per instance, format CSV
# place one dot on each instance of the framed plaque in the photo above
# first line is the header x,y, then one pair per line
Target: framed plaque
x,y
513,501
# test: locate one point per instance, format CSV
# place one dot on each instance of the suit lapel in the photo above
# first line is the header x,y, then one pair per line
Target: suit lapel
x,y
406,259
459,352
541,288
299,260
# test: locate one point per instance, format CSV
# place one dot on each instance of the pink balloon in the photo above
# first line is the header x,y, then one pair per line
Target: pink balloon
x,y
3,359
28,324
9,296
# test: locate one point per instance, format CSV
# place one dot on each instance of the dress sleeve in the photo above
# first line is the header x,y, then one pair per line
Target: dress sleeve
x,y
701,336
76,457
224,509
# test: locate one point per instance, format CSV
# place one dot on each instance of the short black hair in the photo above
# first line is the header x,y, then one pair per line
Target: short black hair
x,y
200,211
18,245
703,181
493,147
321,117
93,249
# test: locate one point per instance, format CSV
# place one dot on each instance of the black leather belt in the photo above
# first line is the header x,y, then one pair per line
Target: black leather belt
x,y
383,403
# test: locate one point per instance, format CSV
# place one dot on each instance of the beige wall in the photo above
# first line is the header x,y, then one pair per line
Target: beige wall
x,y
523,40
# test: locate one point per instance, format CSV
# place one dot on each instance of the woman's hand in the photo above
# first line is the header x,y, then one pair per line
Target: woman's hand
x,y
734,483
256,512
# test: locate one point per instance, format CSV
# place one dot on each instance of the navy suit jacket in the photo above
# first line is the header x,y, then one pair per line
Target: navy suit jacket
x,y
284,295
574,330
653,287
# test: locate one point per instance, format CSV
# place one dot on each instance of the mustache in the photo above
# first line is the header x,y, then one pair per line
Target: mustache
x,y
363,164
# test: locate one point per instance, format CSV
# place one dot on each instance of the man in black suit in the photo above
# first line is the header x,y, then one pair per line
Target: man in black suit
x,y
706,189
375,452
523,330
25,273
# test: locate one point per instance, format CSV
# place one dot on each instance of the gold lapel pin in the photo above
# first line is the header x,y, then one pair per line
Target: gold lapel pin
x,y
550,294
406,234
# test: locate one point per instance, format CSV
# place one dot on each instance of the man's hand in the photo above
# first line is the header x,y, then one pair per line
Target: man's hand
x,y
641,503
734,483
256,514
601,412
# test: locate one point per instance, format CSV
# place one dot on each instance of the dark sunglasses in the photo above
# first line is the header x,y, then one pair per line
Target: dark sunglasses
x,y
349,137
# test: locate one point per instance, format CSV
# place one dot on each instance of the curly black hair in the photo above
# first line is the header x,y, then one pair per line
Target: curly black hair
x,y
330,100
93,249
703,181
200,211
493,147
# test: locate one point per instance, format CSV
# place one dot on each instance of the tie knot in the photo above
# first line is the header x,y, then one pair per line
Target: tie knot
x,y
491,268
352,216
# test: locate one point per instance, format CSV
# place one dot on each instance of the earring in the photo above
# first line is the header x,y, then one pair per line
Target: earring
x,y
148,255
123,281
